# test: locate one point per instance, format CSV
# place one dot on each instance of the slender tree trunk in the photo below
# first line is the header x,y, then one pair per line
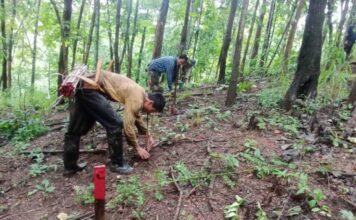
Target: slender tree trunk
x,y
231,93
267,35
34,51
109,30
130,49
306,77
291,36
184,33
226,43
140,55
97,26
11,43
329,14
196,34
340,28
249,36
256,44
282,37
75,43
4,46
161,22
90,36
117,35
127,32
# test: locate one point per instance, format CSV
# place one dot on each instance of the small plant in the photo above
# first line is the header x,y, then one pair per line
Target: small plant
x,y
347,215
84,194
223,116
162,180
38,169
231,211
129,192
261,214
45,187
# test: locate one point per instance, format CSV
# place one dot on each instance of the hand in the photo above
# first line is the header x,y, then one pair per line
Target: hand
x,y
150,143
144,155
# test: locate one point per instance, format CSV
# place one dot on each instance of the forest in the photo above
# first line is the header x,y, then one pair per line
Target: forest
x,y
262,126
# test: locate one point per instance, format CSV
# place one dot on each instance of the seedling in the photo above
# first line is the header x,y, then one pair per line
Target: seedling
x,y
84,194
231,211
45,187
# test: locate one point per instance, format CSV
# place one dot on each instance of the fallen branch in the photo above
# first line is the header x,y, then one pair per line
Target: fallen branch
x,y
54,152
176,215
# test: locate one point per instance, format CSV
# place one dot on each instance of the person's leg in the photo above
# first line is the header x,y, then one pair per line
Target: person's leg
x,y
79,124
99,108
154,82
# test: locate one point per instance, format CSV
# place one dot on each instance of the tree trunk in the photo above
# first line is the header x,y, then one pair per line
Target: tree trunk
x,y
282,37
90,36
291,36
249,36
196,34
130,50
140,55
34,50
4,46
161,22
117,35
184,33
256,44
97,26
226,43
344,8
231,93
329,14
127,32
75,43
11,43
109,30
267,35
306,77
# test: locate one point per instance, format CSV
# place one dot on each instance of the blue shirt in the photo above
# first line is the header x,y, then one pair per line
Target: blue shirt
x,y
166,65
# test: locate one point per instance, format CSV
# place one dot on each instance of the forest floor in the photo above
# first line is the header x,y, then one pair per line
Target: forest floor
x,y
295,165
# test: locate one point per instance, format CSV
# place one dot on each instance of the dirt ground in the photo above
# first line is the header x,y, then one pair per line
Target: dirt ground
x,y
194,140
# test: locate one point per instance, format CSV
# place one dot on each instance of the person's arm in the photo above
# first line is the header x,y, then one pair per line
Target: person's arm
x,y
129,129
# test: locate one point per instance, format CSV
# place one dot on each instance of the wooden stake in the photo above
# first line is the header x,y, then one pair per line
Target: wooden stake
x,y
99,192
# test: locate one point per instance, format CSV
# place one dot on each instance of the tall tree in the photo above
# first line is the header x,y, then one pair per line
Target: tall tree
x,y
249,36
11,43
34,50
140,55
268,33
344,7
161,22
291,36
108,20
127,31
130,49
75,43
226,42
64,24
329,16
97,27
256,44
117,35
196,33
231,92
90,35
184,33
4,45
306,77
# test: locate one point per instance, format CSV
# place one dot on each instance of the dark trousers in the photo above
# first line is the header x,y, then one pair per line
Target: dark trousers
x,y
91,106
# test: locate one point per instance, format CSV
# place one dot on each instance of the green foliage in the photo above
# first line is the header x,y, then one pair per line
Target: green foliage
x,y
261,214
347,215
187,175
162,180
129,192
84,194
45,187
22,126
231,211
244,86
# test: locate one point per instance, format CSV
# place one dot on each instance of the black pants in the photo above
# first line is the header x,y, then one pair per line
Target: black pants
x,y
91,106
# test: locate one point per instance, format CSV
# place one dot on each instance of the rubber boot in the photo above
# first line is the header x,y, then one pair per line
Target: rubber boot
x,y
71,155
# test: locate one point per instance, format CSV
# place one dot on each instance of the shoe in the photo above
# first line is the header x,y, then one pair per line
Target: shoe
x,y
124,169
78,167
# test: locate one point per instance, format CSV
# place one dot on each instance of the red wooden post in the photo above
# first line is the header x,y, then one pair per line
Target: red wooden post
x,y
99,192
